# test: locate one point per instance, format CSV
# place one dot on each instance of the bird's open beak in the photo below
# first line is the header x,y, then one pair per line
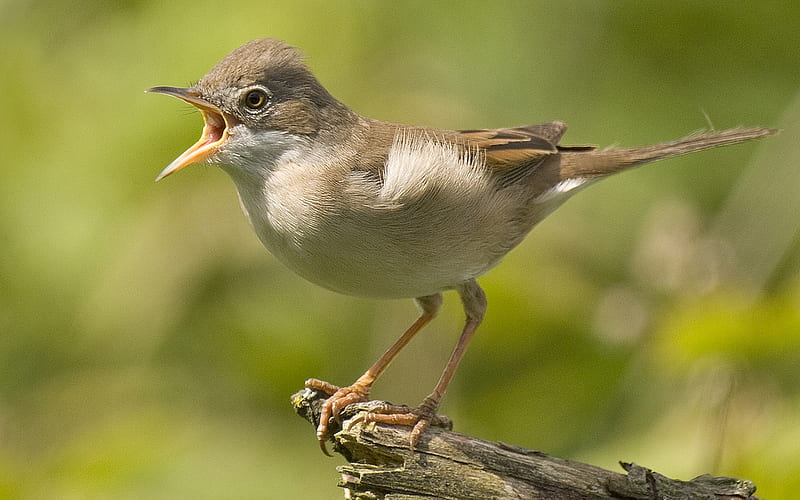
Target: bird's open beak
x,y
214,134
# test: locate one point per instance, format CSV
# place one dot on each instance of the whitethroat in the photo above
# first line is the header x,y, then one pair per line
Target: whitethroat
x,y
378,209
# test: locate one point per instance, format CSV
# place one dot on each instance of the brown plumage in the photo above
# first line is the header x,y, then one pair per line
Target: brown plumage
x,y
367,207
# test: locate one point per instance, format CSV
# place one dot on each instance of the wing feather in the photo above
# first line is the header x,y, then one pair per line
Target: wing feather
x,y
513,153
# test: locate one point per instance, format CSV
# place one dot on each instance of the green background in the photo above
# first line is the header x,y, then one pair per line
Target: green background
x,y
148,344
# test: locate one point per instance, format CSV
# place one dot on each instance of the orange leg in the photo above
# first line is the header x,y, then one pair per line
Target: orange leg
x,y
359,390
474,301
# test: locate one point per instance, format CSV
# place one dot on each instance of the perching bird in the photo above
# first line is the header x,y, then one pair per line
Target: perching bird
x,y
378,209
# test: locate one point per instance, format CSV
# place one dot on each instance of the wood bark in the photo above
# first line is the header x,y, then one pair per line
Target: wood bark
x,y
449,465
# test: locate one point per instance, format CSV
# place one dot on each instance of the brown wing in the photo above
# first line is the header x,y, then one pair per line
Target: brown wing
x,y
512,153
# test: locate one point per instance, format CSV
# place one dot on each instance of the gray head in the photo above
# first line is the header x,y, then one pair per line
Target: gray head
x,y
266,83
256,101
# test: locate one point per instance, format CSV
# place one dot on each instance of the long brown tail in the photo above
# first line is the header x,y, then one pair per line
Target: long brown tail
x,y
601,163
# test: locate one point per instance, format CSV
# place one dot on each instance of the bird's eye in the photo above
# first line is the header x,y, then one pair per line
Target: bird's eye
x,y
255,99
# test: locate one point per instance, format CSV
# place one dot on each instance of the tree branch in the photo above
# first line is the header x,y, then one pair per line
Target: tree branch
x,y
449,465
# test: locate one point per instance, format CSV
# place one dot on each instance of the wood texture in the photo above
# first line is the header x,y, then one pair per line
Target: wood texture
x,y
448,465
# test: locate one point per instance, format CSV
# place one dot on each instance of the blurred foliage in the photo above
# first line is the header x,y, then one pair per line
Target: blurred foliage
x,y
149,344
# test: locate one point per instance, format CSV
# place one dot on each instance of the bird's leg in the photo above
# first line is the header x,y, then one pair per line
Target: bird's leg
x,y
340,397
474,301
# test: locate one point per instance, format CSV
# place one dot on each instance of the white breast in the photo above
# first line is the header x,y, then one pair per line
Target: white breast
x,y
436,220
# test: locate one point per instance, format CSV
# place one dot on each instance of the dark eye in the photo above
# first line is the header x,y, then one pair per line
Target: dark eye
x,y
255,99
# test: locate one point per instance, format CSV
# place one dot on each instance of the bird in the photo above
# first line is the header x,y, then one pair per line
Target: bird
x,y
378,209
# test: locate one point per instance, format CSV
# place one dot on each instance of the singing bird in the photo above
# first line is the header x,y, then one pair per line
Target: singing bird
x,y
378,209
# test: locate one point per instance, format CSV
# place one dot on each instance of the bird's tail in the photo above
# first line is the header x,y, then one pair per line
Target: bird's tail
x,y
601,163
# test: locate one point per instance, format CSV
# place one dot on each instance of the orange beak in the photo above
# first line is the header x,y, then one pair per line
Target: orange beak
x,y
214,134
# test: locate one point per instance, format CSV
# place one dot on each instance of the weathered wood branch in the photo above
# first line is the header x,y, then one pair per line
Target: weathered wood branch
x,y
448,465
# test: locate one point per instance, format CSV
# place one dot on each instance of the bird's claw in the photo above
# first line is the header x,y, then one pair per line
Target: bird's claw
x,y
419,418
339,398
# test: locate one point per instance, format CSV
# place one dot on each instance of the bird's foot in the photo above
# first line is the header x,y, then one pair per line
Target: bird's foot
x,y
419,418
340,398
